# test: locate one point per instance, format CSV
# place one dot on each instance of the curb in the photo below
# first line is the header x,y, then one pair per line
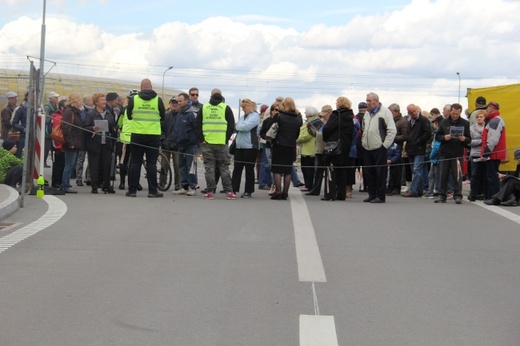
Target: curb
x,y
10,204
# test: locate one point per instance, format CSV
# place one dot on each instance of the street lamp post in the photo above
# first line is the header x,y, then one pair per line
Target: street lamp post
x,y
168,69
458,74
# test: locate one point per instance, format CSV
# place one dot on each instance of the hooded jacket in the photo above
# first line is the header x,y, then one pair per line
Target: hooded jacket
x,y
145,95
230,118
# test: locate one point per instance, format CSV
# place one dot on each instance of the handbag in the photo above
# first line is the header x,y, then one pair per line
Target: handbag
x,y
233,147
272,132
333,148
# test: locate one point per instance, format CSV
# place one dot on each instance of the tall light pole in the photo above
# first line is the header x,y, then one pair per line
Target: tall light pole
x,y
458,74
168,69
41,85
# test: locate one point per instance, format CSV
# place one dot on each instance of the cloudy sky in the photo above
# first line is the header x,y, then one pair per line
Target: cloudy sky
x,y
406,51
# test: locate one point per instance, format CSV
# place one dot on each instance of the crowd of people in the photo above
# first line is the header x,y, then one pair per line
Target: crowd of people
x,y
419,154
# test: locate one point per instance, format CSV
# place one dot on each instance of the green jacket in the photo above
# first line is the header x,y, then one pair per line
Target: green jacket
x,y
7,160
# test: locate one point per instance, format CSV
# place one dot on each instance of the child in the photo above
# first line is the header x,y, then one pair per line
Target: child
x,y
434,176
393,157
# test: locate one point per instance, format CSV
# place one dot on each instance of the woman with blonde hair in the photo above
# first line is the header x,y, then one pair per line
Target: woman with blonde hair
x,y
72,128
339,127
289,122
100,144
246,149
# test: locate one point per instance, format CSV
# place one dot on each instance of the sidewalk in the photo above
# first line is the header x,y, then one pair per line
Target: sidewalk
x,y
9,201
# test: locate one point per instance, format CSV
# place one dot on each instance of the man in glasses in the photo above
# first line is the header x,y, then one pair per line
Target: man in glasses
x,y
194,98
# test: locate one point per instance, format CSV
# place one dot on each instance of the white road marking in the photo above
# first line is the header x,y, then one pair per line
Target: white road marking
x,y
317,331
500,211
55,212
310,265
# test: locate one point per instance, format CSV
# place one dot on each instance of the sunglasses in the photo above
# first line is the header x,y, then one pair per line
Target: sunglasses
x,y
194,94
276,109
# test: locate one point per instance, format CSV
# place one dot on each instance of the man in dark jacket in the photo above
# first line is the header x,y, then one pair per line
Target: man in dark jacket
x,y
168,140
454,135
214,124
419,131
396,170
186,143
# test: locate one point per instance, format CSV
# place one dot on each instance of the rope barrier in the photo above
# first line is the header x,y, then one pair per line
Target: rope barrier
x,y
467,158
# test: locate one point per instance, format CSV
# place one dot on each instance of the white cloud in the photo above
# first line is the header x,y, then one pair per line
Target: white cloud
x,y
407,55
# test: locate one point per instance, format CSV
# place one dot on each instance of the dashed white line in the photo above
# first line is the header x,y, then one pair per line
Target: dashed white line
x,y
317,331
310,265
55,211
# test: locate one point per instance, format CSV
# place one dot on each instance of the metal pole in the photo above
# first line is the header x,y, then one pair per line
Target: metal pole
x,y
458,74
42,59
162,91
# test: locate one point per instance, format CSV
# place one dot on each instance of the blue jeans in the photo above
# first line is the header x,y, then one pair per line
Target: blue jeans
x,y
294,177
416,162
70,161
186,157
266,178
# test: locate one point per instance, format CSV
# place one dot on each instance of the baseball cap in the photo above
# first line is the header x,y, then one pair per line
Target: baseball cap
x,y
112,96
53,94
174,99
494,104
11,94
481,100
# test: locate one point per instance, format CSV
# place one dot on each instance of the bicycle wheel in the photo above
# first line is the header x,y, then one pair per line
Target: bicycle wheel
x,y
164,173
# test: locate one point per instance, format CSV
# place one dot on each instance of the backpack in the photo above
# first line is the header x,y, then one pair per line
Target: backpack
x,y
57,134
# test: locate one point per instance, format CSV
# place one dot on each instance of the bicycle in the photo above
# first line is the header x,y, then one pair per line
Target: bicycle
x,y
164,172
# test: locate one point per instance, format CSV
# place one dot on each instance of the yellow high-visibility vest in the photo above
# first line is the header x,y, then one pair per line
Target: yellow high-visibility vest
x,y
214,124
146,119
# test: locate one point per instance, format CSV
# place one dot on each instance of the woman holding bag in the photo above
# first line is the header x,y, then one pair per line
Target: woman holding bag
x,y
72,128
339,128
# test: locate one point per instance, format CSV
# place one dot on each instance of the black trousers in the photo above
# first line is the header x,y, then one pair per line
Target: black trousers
x,y
510,187
57,167
307,163
394,180
319,169
144,145
99,165
375,171
449,167
14,176
244,158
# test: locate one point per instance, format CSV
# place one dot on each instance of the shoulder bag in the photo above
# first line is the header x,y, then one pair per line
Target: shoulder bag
x,y
333,148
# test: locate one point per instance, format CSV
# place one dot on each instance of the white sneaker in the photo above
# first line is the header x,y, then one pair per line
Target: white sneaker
x,y
191,192
180,192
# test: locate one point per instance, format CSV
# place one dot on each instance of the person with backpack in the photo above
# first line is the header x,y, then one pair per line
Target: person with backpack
x,y
50,108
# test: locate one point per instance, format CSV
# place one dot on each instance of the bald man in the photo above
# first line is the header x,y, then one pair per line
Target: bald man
x,y
146,111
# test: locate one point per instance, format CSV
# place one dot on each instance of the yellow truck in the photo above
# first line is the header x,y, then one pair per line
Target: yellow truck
x,y
508,97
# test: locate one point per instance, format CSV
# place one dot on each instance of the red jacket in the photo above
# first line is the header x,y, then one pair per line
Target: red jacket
x,y
56,119
494,138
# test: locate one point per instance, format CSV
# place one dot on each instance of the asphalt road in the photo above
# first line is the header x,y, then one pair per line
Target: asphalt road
x,y
110,270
